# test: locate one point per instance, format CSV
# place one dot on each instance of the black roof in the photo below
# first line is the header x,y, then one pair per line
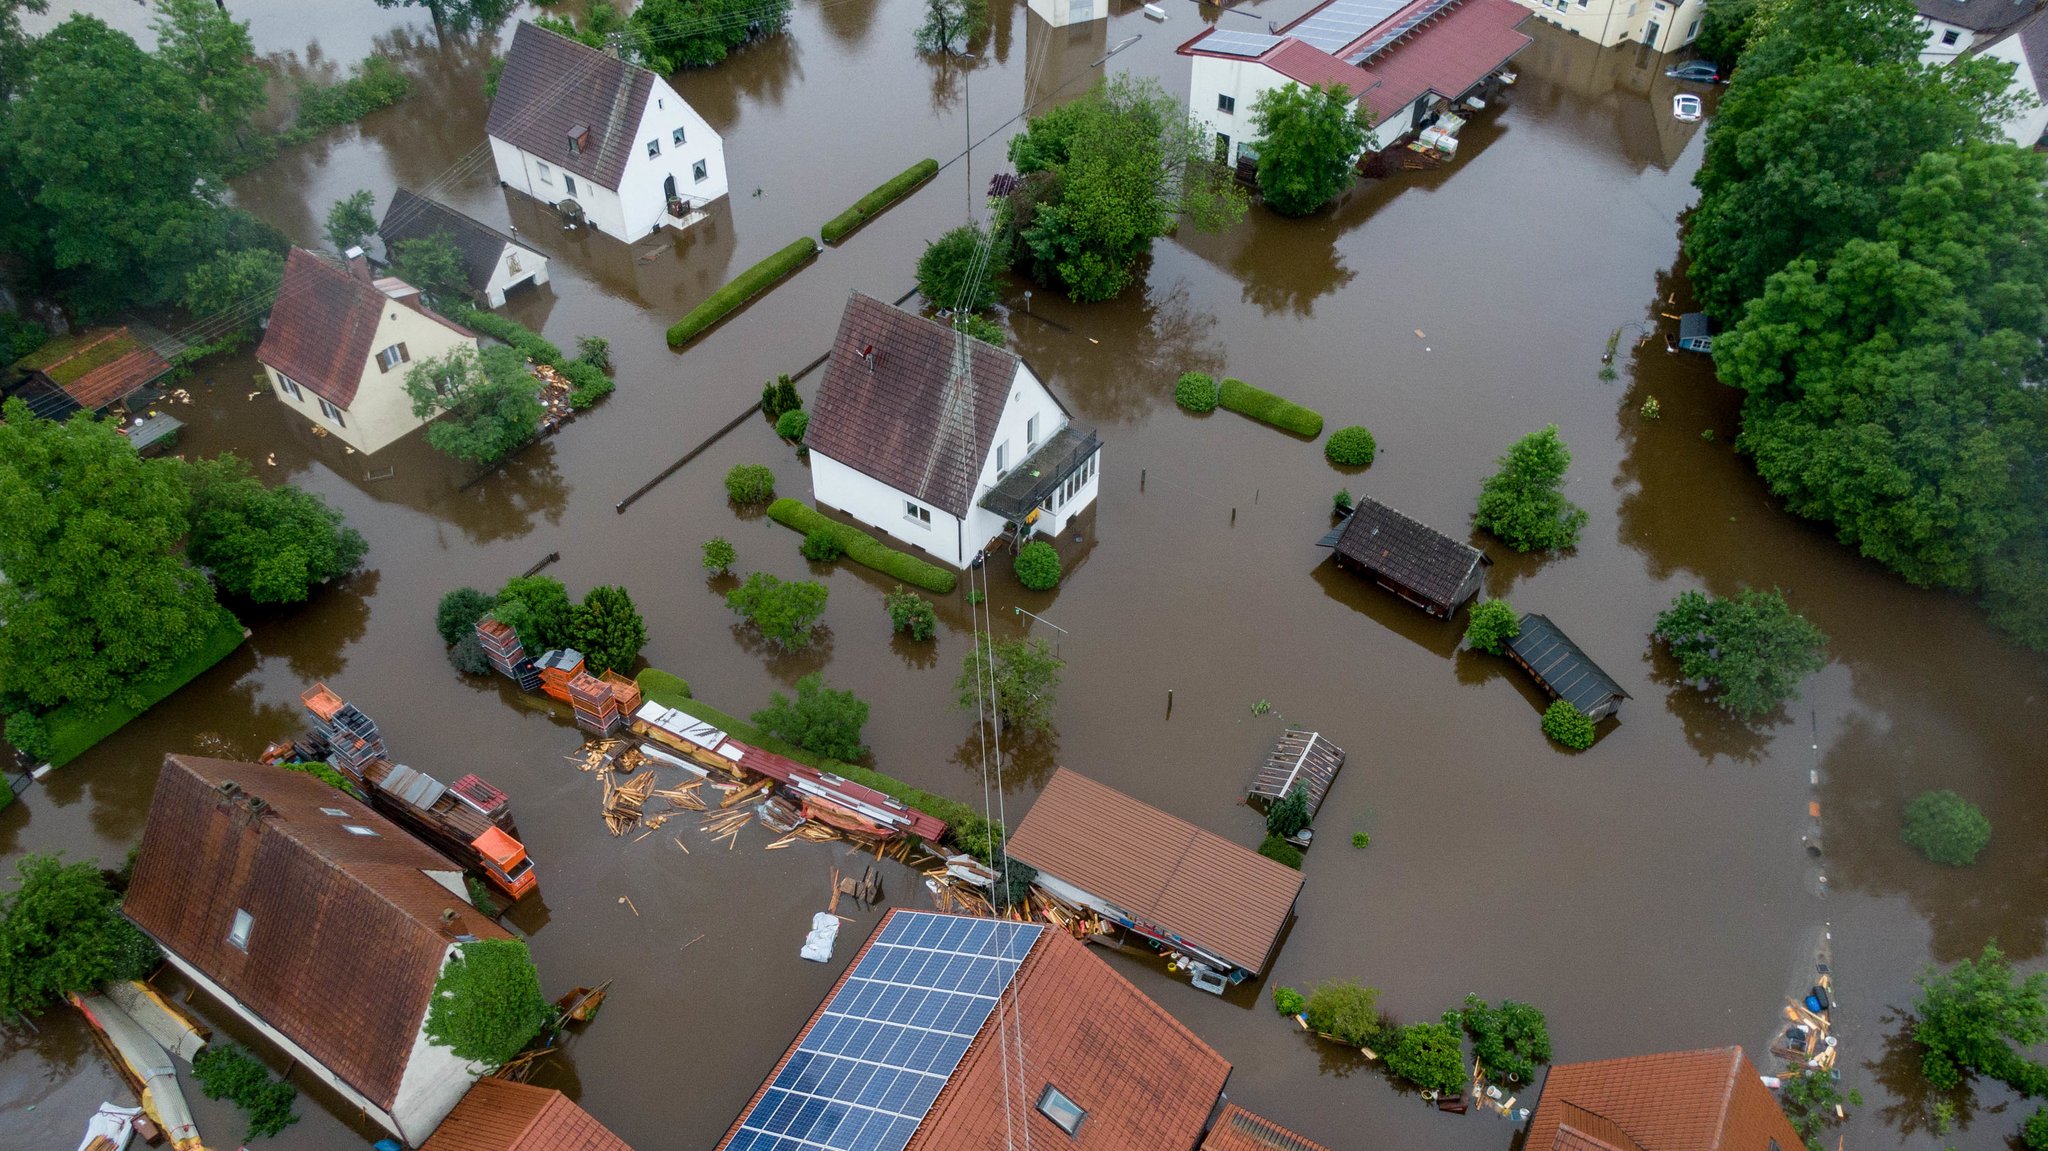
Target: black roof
x,y
1978,15
1564,670
412,217
1030,482
1694,326
553,86
1407,551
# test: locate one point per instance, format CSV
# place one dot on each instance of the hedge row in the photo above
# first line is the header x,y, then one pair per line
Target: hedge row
x,y
871,205
73,728
588,383
862,548
1266,407
744,287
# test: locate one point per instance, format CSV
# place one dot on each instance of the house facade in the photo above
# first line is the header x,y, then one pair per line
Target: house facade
x,y
492,261
942,442
2025,47
582,130
1956,27
316,920
1660,25
340,343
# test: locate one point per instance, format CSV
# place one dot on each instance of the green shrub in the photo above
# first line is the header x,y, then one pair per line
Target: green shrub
x,y
28,734
2034,1134
1289,814
1288,1001
1429,1055
1344,1010
911,612
1360,840
863,548
1568,725
719,555
75,727
743,287
1351,447
1278,850
1946,828
786,613
1491,624
487,1003
1266,407
663,687
227,1072
61,930
587,383
779,398
467,655
325,774
820,719
595,351
542,612
822,546
1195,391
480,895
982,328
458,612
1510,1041
792,425
1342,500
1038,566
946,267
523,339
1522,502
750,484
871,205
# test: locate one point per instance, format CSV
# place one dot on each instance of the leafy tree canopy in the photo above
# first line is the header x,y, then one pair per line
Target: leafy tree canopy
x,y
819,719
1429,1055
546,611
244,281
1345,1010
1308,139
912,613
1510,1041
352,219
944,269
61,930
608,630
213,52
1726,28
1491,624
1946,828
267,544
1749,652
699,33
719,555
1521,502
603,24
1289,813
1972,1016
433,264
487,1004
786,613
1026,674
490,400
458,612
949,25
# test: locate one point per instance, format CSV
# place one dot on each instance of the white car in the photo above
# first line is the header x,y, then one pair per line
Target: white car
x,y
1685,106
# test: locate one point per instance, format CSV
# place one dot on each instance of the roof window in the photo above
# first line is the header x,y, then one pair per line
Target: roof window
x,y
1061,1110
334,811
358,829
239,933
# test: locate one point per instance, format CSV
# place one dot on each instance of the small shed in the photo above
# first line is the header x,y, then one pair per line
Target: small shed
x,y
1560,668
88,371
1695,332
1408,557
492,261
1300,757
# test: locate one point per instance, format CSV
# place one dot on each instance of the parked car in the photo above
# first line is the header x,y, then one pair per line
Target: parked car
x,y
1698,71
1686,107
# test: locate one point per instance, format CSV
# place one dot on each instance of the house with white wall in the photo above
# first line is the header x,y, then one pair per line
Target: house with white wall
x,y
1955,27
1403,60
1660,25
492,262
600,139
943,442
1061,13
316,920
341,341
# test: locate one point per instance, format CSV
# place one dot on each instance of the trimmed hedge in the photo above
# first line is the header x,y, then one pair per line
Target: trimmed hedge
x,y
1195,391
74,728
1266,407
871,205
743,287
1351,447
862,548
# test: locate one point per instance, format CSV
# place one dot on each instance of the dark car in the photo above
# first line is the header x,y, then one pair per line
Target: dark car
x,y
1700,71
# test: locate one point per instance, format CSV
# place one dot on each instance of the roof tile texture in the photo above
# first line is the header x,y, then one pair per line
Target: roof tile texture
x,y
552,84
1407,551
1217,895
1240,1130
322,327
346,937
1448,55
412,217
96,368
1709,1100
500,1115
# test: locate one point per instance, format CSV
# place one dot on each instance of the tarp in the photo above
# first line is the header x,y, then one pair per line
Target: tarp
x,y
824,932
112,1123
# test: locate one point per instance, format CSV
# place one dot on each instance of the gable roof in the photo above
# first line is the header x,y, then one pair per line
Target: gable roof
x,y
346,937
1710,1100
1559,665
324,322
500,1115
96,367
412,217
552,85
1978,15
1219,896
1407,551
899,420
1240,1130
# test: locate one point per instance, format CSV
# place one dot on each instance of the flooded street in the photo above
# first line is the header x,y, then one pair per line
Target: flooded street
x,y
1649,894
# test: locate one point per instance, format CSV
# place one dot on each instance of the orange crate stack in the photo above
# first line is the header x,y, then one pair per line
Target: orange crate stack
x,y
623,690
557,668
597,709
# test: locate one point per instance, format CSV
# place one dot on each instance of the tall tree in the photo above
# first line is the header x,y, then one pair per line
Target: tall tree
x,y
943,271
244,282
603,27
1025,674
270,545
1309,138
213,52
433,264
61,930
1522,504
950,22
1748,651
820,719
488,402
14,42
459,15
607,629
1969,1017
699,33
352,219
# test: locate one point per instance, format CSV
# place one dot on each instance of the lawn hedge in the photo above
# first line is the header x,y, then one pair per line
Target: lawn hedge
x,y
862,548
871,205
743,287
75,727
1266,407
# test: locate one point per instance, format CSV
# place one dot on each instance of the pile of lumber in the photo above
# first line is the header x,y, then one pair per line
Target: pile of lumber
x,y
622,803
726,826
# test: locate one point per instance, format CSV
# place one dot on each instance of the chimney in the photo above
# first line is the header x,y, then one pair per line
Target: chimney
x,y
867,355
358,264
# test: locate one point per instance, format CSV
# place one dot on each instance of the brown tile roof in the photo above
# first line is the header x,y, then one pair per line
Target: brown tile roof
x,y
1710,1100
96,367
500,1115
1195,885
552,85
892,421
1407,551
346,938
322,327
413,217
1240,1130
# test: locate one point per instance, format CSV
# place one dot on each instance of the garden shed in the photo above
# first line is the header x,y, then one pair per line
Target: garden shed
x,y
1560,668
1695,332
1408,557
1299,757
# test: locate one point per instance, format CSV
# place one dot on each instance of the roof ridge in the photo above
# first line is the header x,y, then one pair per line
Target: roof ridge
x,y
1727,1095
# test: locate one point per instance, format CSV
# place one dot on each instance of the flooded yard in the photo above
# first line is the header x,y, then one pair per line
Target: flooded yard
x,y
1650,894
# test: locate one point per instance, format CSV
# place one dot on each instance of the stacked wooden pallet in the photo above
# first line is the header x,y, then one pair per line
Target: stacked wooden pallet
x,y
597,709
501,646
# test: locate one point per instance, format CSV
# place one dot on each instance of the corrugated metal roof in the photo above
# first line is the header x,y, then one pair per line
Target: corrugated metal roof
x,y
1561,668
1218,895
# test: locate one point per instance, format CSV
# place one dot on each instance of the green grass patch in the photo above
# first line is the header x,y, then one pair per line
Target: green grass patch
x,y
862,548
871,205
73,727
1266,407
744,287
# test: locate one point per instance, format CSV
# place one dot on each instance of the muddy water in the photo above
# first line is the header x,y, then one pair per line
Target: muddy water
x,y
1649,894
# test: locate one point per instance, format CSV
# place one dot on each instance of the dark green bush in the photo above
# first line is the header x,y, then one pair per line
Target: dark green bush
x,y
1278,850
1288,1001
863,548
750,484
1429,1055
1946,828
2034,1134
467,656
227,1072
743,287
587,383
1510,1041
1266,407
487,1003
28,734
1038,566
1568,725
792,425
911,612
871,205
595,351
1491,624
1289,813
778,397
719,555
1195,391
1342,500
458,612
1351,447
822,546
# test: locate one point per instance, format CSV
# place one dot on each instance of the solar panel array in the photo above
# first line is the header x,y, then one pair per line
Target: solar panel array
x,y
891,1035
1342,22
1236,43
1399,30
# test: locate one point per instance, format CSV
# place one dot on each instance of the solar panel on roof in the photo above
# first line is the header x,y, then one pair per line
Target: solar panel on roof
x,y
893,1032
1342,22
1399,30
1237,43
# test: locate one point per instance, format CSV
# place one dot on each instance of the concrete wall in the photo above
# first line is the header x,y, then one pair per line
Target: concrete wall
x,y
1664,25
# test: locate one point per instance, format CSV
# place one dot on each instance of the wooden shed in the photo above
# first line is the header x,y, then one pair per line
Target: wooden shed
x,y
1299,757
1560,668
1695,332
1408,557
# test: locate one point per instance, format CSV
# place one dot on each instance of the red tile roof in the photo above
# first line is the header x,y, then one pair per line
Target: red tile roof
x,y
500,1115
1240,1130
323,325
1711,1100
96,367
1447,56
1309,65
1191,883
346,937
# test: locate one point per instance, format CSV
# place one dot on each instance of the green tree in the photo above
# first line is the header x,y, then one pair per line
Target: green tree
x,y
719,555
458,613
211,49
1288,814
225,1071
1726,28
820,719
1345,1010
1748,653
980,327
1510,1041
487,1004
1308,140
1038,566
61,930
270,545
1565,723
911,612
750,485
1429,1055
699,33
607,629
1945,827
1025,674
238,282
1521,502
1490,625
1970,1017
946,272
458,16
950,22
603,26
2034,1133
15,44
545,608
1102,177
488,403
786,613
96,591
779,398
433,264
352,219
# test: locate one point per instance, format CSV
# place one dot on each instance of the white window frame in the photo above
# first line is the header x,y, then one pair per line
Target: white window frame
x,y
290,387
678,138
921,516
568,183
334,811
358,829
547,174
238,932
1002,457
332,413
1031,433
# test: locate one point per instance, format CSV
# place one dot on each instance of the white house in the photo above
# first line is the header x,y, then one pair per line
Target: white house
x,y
1404,62
340,343
314,919
943,442
1955,27
594,136
2022,44
493,262
1661,25
1060,13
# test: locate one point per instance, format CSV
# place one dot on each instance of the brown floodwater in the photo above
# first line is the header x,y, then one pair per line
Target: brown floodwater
x,y
1652,893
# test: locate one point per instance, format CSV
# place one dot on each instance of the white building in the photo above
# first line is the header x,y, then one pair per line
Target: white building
x,y
944,444
1661,25
493,262
1958,26
579,129
1404,62
1060,13
2014,33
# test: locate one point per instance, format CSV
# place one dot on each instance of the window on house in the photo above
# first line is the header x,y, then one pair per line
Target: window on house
x,y
239,933
569,182
676,137
290,387
1061,1110
1030,433
1951,36
1226,104
653,148
358,829
1692,31
334,811
391,357
547,174
1002,457
923,516
332,413
700,171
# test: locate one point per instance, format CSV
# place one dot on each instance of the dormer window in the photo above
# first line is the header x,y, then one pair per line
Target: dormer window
x,y
579,138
